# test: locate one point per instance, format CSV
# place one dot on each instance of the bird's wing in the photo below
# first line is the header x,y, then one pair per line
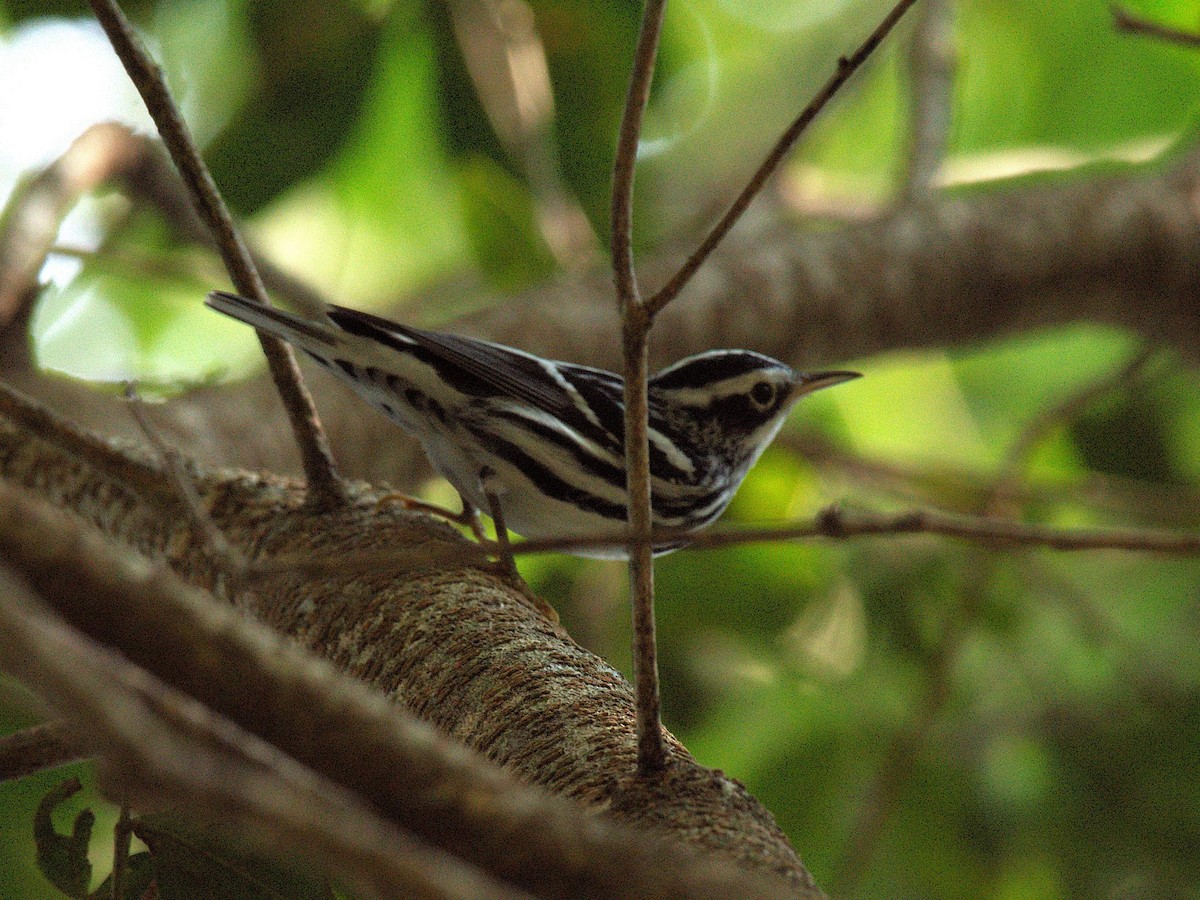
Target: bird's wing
x,y
556,389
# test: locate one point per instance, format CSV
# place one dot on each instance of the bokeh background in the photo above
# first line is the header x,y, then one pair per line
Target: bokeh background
x,y
924,718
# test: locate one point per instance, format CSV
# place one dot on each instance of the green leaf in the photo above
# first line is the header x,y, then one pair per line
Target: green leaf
x,y
109,325
194,860
63,860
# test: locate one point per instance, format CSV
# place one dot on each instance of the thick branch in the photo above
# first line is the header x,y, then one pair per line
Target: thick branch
x,y
159,747
460,648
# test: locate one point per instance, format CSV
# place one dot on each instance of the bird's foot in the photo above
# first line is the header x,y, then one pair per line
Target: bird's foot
x,y
469,516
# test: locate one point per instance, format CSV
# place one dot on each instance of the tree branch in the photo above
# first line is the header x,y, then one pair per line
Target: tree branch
x,y
163,748
931,64
959,270
635,343
483,681
846,66
302,414
1127,21
37,748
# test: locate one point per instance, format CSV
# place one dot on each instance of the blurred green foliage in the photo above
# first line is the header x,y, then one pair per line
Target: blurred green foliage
x,y
925,719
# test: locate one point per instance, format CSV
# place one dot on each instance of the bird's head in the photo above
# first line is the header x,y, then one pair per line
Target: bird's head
x,y
733,402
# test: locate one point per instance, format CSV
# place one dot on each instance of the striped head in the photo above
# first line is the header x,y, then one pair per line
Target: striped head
x,y
730,404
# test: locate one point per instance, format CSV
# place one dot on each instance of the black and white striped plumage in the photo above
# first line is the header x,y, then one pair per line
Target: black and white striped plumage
x,y
546,438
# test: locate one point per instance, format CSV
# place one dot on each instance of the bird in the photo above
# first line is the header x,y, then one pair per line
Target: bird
x,y
540,443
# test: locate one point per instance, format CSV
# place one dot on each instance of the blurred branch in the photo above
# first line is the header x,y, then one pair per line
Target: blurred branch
x,y
956,271
162,747
106,153
122,839
1055,416
881,794
146,76
931,64
506,60
1127,21
40,202
38,748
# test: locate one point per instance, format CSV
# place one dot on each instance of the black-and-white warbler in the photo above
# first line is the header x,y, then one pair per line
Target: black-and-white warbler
x,y
539,443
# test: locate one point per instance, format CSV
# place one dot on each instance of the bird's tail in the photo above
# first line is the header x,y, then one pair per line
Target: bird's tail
x,y
309,334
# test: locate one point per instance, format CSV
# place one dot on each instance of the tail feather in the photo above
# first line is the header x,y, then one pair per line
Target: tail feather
x,y
290,327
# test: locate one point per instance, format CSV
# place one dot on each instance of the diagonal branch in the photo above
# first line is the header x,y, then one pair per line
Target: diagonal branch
x,y
483,681
1127,21
148,78
162,747
847,66
37,748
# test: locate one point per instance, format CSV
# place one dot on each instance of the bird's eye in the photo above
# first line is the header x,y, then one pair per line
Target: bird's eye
x,y
763,394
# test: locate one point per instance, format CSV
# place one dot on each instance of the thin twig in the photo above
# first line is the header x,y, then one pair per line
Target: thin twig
x,y
963,488
1127,21
831,524
931,90
36,749
235,563
651,751
847,65
323,480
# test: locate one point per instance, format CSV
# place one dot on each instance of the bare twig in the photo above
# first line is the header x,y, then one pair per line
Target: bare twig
x,y
637,316
37,748
831,524
931,73
847,65
326,486
1127,21
235,563
635,344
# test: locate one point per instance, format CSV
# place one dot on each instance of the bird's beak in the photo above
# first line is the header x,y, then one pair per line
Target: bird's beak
x,y
807,382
